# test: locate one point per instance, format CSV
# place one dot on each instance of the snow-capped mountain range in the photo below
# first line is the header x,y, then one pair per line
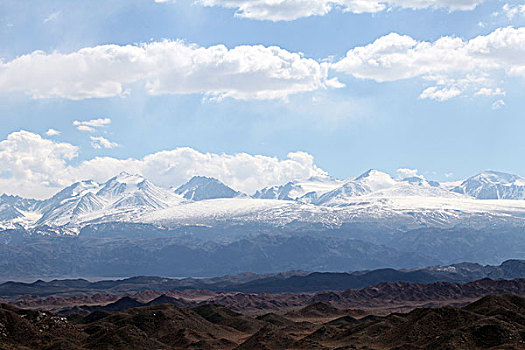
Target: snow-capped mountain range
x,y
484,199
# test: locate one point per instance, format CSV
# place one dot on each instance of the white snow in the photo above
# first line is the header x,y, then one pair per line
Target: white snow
x,y
372,197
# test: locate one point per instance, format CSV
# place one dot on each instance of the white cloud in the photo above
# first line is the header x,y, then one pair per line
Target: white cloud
x,y
36,167
454,65
405,172
32,164
52,132
434,93
167,67
490,92
52,17
498,104
288,10
85,128
513,11
91,125
447,175
96,123
99,142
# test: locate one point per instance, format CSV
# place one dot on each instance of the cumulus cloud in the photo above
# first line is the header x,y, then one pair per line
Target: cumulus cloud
x,y
52,132
91,125
167,67
30,163
99,142
452,64
36,167
405,172
288,10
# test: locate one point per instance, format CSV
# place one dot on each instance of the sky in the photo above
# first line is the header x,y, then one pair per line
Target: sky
x,y
258,92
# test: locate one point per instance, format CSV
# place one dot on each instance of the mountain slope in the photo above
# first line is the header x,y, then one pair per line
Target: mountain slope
x,y
294,190
119,198
493,185
368,182
374,198
201,188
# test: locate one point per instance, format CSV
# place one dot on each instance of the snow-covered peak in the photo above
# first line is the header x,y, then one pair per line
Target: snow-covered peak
x,y
297,189
491,176
202,187
9,212
120,184
420,181
491,184
78,189
127,178
368,182
377,184
375,180
19,202
116,198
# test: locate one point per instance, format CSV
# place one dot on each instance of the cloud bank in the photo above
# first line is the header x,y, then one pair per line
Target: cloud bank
x,y
34,166
448,67
289,10
166,67
453,65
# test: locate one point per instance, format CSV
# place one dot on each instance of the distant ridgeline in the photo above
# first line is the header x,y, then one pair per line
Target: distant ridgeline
x,y
284,282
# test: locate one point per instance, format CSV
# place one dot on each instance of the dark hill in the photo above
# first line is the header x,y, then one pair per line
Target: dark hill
x,y
493,322
223,316
271,283
316,310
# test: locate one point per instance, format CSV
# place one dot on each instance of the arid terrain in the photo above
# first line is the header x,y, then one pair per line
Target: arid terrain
x,y
493,322
482,314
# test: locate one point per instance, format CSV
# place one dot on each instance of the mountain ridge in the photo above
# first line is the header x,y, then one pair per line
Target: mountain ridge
x,y
370,196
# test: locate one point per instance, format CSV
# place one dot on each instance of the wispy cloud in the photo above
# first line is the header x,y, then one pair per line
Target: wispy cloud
x,y
490,92
499,104
91,125
288,10
512,11
98,142
52,17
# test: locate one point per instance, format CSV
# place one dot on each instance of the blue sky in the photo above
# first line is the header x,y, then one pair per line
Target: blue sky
x,y
379,119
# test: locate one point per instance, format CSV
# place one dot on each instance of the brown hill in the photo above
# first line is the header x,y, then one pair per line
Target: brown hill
x,y
493,322
220,315
316,310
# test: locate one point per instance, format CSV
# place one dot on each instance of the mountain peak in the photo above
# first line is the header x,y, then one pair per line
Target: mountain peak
x,y
127,178
490,184
370,173
375,179
496,177
202,187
